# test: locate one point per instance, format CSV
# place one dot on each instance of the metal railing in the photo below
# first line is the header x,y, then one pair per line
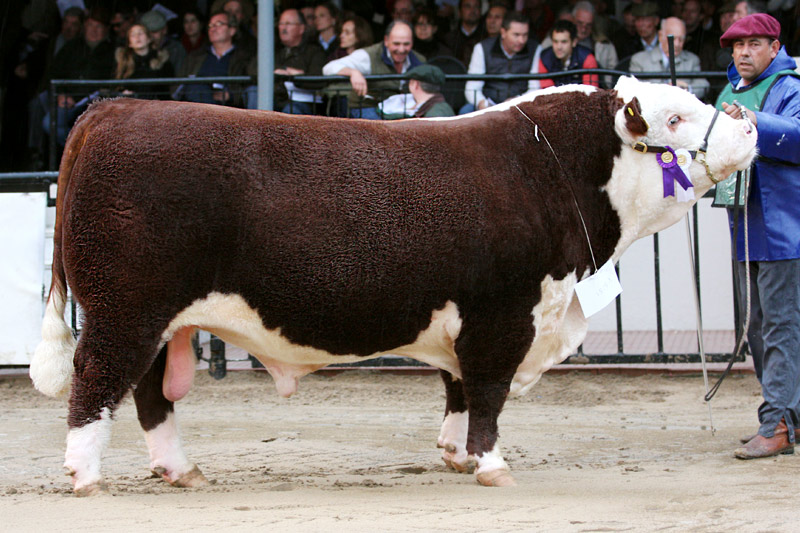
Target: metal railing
x,y
43,182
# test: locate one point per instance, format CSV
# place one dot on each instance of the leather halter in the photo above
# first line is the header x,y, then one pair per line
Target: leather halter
x,y
645,148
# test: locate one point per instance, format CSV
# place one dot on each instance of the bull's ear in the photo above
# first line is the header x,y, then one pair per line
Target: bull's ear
x,y
634,121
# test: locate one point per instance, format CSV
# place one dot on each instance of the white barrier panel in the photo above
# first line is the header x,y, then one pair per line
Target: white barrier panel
x,y
22,229
636,273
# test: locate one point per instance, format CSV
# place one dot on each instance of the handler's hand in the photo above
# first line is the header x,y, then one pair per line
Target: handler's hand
x,y
734,112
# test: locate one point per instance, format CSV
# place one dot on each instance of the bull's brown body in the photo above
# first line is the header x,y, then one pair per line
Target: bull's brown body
x,y
345,237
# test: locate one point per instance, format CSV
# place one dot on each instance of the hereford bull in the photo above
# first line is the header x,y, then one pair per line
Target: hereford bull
x,y
309,241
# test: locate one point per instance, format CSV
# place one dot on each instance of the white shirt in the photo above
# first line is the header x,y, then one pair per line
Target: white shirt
x,y
649,46
358,60
326,44
473,90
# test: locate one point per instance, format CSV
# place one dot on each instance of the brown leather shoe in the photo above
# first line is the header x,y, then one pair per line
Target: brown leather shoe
x,y
759,446
748,438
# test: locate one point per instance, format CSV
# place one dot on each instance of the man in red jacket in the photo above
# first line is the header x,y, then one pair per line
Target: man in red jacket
x,y
567,54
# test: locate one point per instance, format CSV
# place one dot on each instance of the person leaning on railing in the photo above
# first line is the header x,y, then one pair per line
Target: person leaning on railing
x,y
657,59
156,24
513,52
565,53
221,58
89,57
295,57
391,56
356,33
137,60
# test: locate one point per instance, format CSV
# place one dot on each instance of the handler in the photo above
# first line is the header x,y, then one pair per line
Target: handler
x,y
763,80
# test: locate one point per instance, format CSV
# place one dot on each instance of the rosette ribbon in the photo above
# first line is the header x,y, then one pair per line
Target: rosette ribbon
x,y
671,172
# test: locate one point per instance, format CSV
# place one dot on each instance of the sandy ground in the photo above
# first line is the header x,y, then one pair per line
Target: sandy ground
x,y
590,452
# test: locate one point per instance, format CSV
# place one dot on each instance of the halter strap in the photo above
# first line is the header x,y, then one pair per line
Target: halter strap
x,y
645,148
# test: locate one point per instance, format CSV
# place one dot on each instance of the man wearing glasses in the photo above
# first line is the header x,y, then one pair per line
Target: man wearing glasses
x,y
221,58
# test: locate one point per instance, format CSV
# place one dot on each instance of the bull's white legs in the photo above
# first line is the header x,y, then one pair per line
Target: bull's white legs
x,y
167,458
453,441
85,447
492,470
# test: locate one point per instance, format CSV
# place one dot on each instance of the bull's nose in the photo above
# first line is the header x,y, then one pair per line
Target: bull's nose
x,y
747,127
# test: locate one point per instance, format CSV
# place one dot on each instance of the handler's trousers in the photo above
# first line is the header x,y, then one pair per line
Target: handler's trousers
x,y
774,338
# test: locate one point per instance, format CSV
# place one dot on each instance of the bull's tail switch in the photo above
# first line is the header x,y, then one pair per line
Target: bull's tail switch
x,y
51,367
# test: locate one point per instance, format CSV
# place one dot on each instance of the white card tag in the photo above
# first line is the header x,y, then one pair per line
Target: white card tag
x,y
684,161
598,290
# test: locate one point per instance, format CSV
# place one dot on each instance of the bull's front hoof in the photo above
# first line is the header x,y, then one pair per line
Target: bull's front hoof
x,y
92,489
459,462
496,478
192,478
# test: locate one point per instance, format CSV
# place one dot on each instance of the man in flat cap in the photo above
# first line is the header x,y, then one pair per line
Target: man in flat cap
x,y
425,85
763,82
646,21
424,98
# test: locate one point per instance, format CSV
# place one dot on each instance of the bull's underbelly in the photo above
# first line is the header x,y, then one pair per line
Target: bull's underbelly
x,y
231,319
558,319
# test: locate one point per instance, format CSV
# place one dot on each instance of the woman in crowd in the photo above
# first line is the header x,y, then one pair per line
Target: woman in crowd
x,y
194,36
425,41
356,33
138,60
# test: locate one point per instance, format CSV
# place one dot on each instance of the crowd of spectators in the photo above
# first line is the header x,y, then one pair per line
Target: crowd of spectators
x,y
130,39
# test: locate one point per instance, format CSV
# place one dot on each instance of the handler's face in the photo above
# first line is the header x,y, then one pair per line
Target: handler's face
x,y
753,55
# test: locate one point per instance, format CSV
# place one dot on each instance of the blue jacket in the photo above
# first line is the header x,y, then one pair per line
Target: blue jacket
x,y
773,209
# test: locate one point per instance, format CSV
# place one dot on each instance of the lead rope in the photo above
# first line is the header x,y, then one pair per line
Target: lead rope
x,y
700,342
746,323
536,133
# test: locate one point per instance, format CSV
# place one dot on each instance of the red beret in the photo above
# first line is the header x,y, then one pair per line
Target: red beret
x,y
757,25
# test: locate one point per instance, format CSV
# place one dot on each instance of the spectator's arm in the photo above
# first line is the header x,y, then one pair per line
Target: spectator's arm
x,y
473,90
699,87
636,65
543,70
534,85
314,68
358,60
354,66
590,79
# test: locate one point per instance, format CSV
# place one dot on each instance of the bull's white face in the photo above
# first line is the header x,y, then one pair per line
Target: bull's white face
x,y
676,119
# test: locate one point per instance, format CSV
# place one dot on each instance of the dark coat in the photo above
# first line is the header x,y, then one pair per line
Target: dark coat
x,y
78,61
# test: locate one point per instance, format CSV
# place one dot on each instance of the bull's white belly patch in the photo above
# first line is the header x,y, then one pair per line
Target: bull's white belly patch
x,y
560,328
230,318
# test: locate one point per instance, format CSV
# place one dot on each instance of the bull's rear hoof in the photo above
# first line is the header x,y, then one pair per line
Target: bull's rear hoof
x,y
192,478
496,478
92,489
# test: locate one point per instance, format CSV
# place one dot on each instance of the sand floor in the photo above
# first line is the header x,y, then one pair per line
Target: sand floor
x,y
590,452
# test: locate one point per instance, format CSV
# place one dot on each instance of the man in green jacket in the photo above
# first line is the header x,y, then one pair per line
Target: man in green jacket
x,y
424,98
391,56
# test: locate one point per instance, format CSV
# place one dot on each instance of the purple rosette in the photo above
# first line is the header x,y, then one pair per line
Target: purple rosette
x,y
671,172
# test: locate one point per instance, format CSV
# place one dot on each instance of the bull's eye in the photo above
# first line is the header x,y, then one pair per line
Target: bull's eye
x,y
674,120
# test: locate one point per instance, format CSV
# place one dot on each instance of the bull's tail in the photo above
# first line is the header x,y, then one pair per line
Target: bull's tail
x,y
51,367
